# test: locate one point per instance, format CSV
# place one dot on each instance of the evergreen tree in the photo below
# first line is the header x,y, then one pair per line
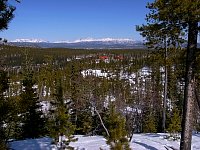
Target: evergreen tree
x,y
149,123
4,107
6,13
60,115
116,127
33,121
175,124
84,122
8,111
167,20
75,91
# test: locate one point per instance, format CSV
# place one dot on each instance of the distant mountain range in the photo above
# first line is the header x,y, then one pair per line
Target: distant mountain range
x,y
89,43
107,43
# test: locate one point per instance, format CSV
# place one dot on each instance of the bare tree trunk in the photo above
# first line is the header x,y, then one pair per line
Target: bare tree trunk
x,y
197,97
102,122
165,91
188,106
40,92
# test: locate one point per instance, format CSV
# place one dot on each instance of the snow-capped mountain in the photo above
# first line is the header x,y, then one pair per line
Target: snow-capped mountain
x,y
29,41
81,43
97,40
88,43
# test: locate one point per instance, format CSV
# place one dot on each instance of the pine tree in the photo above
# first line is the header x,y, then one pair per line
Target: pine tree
x,y
169,19
84,122
8,110
4,107
175,124
116,127
33,122
75,91
60,115
6,13
149,123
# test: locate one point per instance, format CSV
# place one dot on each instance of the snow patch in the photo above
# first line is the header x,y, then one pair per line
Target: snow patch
x,y
148,141
97,73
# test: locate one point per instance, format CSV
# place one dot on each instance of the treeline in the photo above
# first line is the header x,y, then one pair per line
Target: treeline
x,y
115,93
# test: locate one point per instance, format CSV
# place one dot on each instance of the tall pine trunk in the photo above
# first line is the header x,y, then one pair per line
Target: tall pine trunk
x,y
165,91
188,106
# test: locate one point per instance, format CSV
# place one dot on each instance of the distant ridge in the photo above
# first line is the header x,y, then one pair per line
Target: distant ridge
x,y
89,43
97,40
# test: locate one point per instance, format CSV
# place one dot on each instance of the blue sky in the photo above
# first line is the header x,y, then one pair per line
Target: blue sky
x,y
56,20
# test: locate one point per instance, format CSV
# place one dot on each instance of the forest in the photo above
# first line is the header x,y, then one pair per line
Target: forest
x,y
57,92
114,93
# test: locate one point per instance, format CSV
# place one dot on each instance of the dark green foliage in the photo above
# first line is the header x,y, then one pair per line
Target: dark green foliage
x,y
175,124
8,112
149,124
6,14
115,123
33,121
59,121
167,23
4,107
84,123
4,82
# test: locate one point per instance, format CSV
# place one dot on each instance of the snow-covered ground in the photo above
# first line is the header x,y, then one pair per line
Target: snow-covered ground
x,y
90,143
32,144
139,142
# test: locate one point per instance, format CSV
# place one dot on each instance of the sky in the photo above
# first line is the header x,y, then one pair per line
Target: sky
x,y
57,20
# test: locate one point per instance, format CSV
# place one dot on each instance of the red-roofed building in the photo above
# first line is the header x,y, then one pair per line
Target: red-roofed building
x,y
103,57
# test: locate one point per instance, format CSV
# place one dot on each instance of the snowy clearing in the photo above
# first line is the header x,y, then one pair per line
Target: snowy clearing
x,y
139,142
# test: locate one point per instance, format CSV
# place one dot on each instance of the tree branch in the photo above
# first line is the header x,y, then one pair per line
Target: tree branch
x,y
102,121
